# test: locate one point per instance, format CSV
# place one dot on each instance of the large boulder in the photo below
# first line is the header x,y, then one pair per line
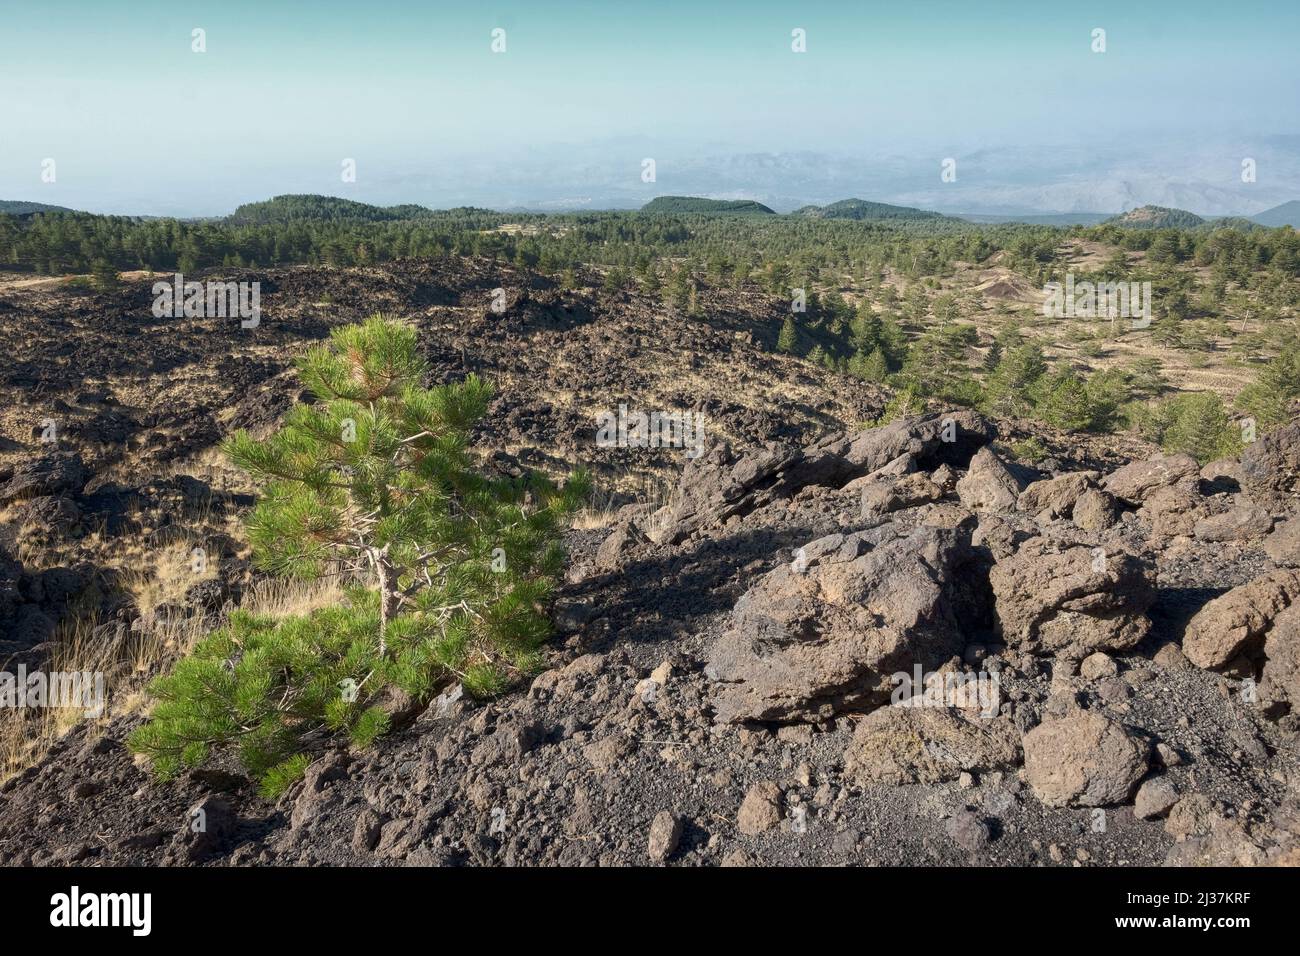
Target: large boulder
x,y
1057,496
1138,480
1095,510
988,485
1279,684
720,485
1283,544
1083,760
1172,510
827,632
1242,523
899,745
1237,622
1073,601
944,438
1260,622
1270,467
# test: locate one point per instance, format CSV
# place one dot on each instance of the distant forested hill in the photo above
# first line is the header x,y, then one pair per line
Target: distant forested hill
x,y
862,209
1156,217
293,208
1232,222
16,207
695,204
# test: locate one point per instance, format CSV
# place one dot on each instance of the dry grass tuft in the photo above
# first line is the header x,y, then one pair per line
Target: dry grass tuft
x,y
128,660
628,487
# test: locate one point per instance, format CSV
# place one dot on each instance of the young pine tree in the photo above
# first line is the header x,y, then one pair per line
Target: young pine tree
x,y
104,277
378,474
1011,385
679,290
865,329
1063,401
875,368
869,368
788,338
1268,397
376,479
1199,425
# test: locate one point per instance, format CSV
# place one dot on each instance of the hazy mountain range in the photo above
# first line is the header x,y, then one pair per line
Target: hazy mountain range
x,y
1078,177
292,207
1072,176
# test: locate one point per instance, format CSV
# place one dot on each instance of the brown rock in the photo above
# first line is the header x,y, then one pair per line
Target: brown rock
x,y
1223,471
209,828
1241,523
605,754
904,464
988,485
968,830
907,492
1097,666
1236,622
1056,495
1154,798
900,745
804,645
1003,535
665,833
618,546
1083,760
736,857
1138,480
946,438
1171,657
1270,467
1173,510
760,811
1095,510
1283,545
1207,837
1279,684
1189,816
365,832
1074,601
720,485
946,477
945,516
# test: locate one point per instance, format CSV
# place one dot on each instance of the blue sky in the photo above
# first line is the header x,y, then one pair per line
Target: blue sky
x,y
137,122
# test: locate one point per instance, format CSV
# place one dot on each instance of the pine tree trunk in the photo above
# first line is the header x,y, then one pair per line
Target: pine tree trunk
x,y
389,599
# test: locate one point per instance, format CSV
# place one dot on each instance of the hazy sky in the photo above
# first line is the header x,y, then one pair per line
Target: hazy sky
x,y
137,122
